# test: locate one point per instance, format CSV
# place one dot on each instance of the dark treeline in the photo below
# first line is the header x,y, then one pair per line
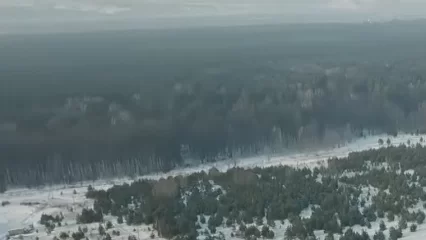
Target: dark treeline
x,y
250,202
71,116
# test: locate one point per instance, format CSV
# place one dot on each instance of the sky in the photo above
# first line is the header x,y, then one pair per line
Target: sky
x,y
75,15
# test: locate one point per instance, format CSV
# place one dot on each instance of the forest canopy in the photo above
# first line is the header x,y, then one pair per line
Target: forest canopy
x,y
80,115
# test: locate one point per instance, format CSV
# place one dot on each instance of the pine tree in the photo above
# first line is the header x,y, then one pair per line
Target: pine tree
x,y
265,230
107,237
382,226
101,230
394,234
391,216
420,217
120,219
413,227
379,236
402,224
330,236
109,225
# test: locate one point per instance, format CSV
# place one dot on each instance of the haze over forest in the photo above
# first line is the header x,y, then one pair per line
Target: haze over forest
x,y
91,105
222,119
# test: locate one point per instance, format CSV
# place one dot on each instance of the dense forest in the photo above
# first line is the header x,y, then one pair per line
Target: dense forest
x,y
153,100
383,186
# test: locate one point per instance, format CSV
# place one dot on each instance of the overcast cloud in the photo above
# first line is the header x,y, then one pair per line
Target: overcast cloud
x,y
43,15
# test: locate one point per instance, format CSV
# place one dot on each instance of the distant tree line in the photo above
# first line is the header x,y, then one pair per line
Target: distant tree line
x,y
207,116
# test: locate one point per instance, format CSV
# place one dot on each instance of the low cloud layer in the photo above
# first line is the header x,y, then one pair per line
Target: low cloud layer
x,y
49,12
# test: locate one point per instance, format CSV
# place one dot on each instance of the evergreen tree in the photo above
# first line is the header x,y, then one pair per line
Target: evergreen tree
x,y
365,236
420,217
391,216
101,230
107,237
329,236
120,219
63,235
382,226
402,224
379,236
270,234
394,234
109,225
289,233
265,230
202,219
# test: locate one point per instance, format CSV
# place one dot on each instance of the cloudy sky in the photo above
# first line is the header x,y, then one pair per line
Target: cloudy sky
x,y
63,15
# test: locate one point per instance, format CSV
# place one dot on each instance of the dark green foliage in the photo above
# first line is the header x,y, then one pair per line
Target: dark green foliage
x,y
215,220
64,235
329,236
420,217
270,234
402,224
228,222
107,237
382,226
46,219
413,227
120,219
351,235
289,233
380,213
101,230
369,214
390,216
297,229
368,225
265,230
108,225
243,196
212,229
89,216
77,235
270,223
50,226
394,234
252,231
365,236
242,228
202,219
210,105
379,236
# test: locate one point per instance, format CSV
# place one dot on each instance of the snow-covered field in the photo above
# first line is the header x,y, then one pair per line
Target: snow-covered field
x,y
62,198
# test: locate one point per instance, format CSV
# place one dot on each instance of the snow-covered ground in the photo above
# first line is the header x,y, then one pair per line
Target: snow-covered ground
x,y
56,199
304,158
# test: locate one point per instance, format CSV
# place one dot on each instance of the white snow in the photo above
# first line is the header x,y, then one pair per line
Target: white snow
x,y
307,212
310,159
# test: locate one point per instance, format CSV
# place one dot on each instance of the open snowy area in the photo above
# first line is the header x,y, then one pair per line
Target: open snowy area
x,y
27,205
